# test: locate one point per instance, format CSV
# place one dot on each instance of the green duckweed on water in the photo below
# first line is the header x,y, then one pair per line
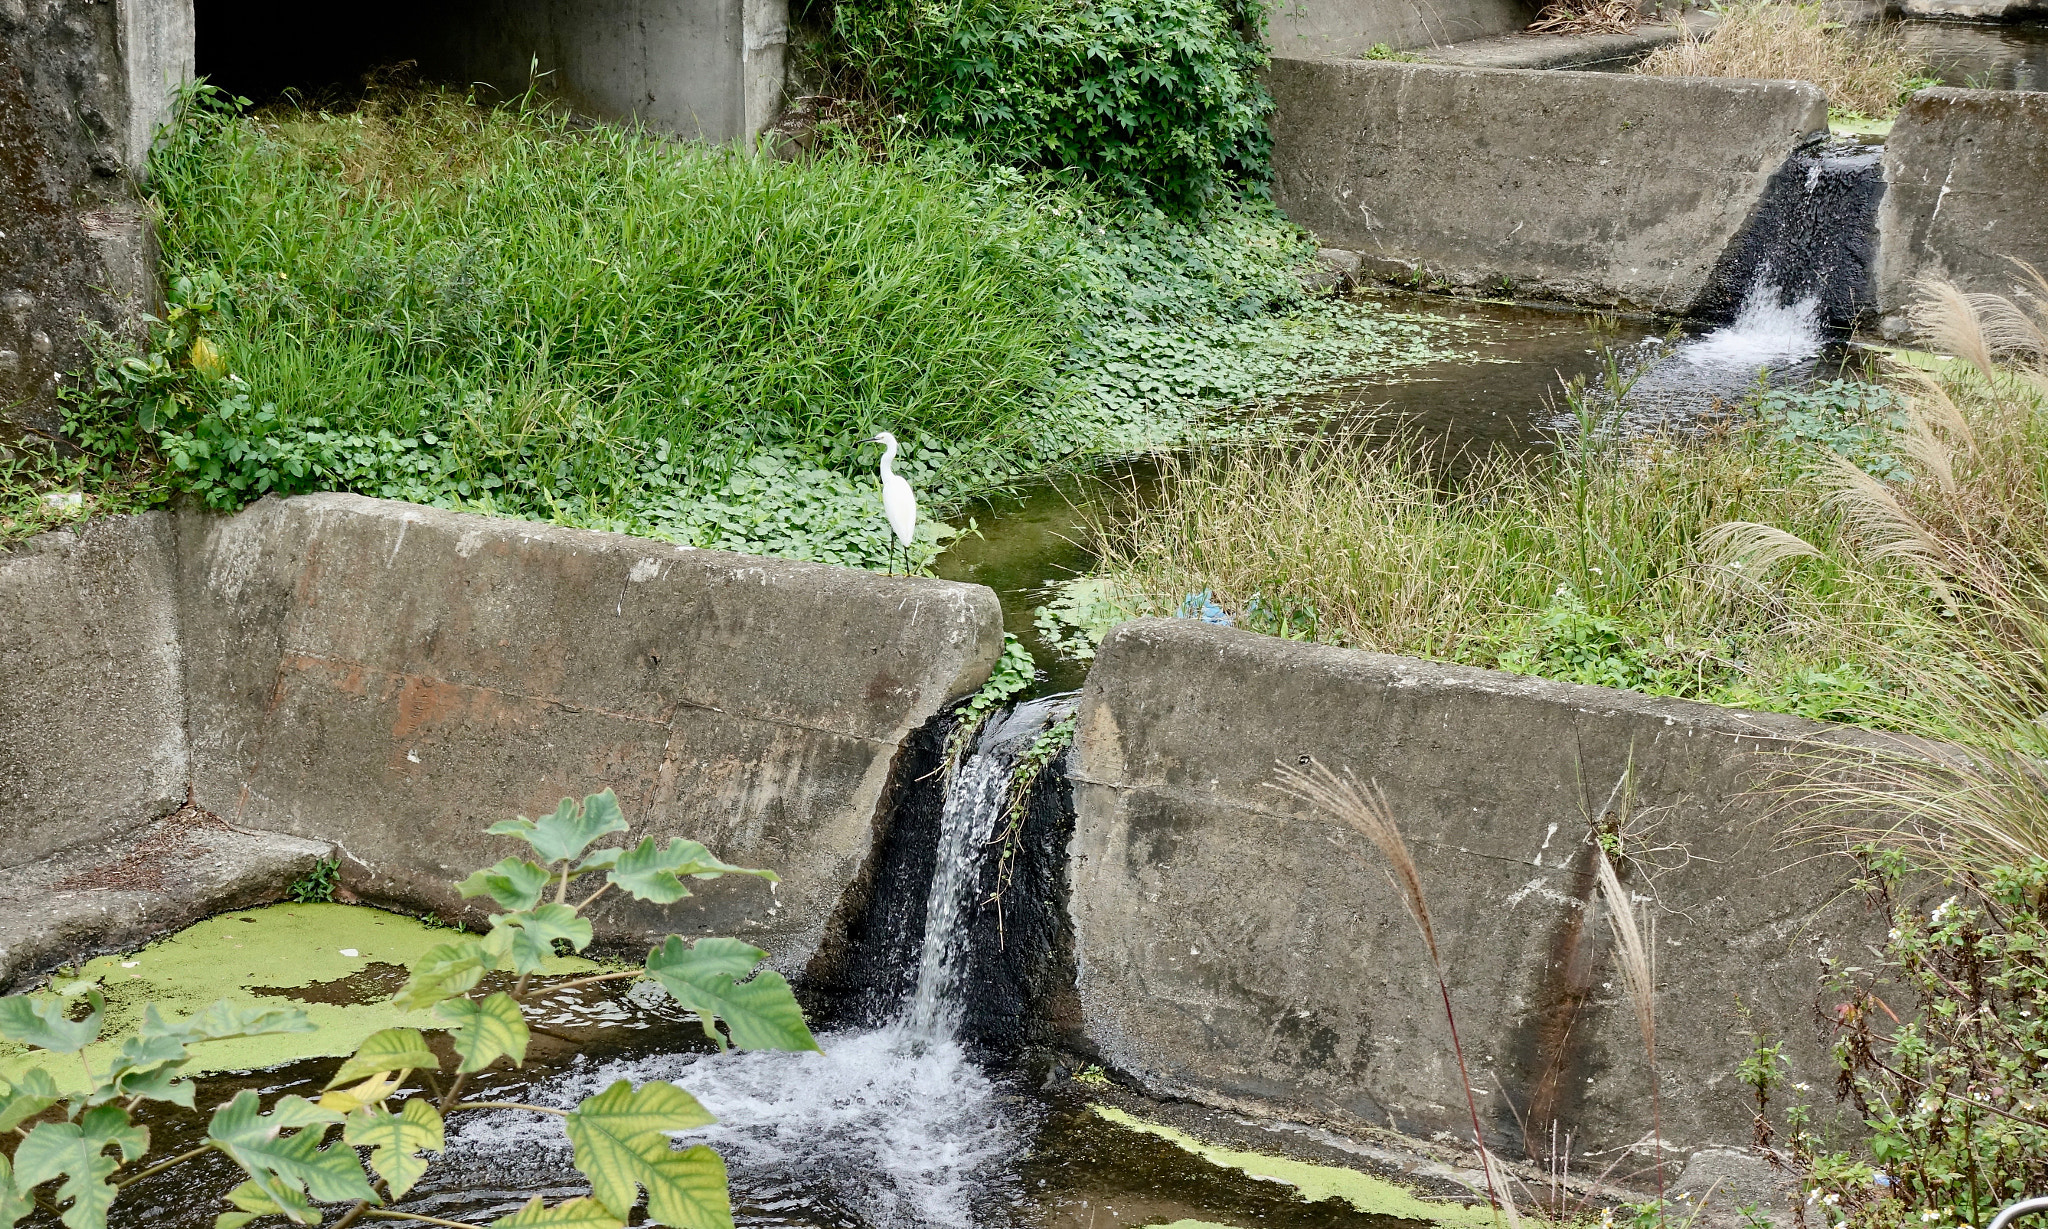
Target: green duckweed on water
x,y
1374,1196
250,956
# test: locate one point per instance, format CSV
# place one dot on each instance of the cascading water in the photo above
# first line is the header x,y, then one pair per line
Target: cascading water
x,y
1797,276
896,1125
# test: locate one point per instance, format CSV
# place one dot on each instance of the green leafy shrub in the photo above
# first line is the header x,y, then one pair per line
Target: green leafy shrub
x,y
1156,99
1954,1088
79,1150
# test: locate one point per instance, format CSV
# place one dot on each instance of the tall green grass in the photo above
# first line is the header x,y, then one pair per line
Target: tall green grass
x,y
563,295
1610,562
508,310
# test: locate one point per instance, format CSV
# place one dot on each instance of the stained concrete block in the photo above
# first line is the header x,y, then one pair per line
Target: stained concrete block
x,y
1965,174
1238,948
112,895
394,679
1347,29
1591,187
92,711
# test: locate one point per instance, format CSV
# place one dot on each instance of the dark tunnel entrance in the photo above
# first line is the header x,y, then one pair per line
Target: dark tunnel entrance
x,y
265,51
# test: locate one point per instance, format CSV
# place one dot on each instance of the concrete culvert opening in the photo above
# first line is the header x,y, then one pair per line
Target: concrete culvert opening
x,y
709,70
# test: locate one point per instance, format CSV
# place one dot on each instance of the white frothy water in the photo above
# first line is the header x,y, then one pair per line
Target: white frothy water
x,y
1766,332
898,1125
899,1129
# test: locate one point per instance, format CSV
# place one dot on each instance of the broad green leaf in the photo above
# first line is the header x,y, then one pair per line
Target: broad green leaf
x,y
42,1020
575,1214
32,1092
621,1145
569,831
222,1020
391,1049
760,1013
254,1201
395,1141
77,1152
446,970
514,883
281,1164
656,872
146,1066
525,941
483,1031
15,1205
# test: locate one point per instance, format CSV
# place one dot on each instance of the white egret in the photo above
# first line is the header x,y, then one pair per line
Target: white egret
x,y
899,502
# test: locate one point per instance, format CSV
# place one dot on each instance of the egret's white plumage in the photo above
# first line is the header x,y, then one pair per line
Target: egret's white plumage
x,y
899,502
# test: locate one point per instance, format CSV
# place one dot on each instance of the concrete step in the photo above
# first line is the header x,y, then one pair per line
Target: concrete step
x,y
116,894
1597,52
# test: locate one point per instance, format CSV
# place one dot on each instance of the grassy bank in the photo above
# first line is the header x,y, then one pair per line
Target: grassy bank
x,y
505,310
1866,73
1809,560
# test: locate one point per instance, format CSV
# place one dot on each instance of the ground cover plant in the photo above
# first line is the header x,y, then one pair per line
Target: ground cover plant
x,y
77,1146
1866,73
505,310
1765,566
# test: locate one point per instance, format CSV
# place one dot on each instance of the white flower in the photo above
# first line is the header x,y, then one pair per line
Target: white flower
x,y
1929,1215
1803,1086
1832,1198
1942,911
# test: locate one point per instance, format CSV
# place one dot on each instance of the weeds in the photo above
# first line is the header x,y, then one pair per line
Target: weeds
x,y
504,311
1866,73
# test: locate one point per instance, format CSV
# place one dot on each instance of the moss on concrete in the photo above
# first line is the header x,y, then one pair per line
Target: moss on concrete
x,y
1374,1196
250,955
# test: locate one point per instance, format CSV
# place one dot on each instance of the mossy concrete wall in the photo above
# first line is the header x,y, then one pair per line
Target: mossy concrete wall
x,y
1239,948
83,86
393,679
1591,187
1966,175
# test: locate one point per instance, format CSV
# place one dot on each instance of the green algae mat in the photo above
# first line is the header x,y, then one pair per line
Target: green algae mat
x,y
1314,1183
340,964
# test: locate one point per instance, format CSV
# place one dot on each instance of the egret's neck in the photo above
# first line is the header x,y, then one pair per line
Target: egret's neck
x,y
888,455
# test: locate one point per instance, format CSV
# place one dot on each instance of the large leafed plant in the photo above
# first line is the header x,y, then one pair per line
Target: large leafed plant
x,y
78,1151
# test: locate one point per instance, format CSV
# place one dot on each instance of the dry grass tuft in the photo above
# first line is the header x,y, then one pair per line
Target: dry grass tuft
x,y
1864,73
1586,17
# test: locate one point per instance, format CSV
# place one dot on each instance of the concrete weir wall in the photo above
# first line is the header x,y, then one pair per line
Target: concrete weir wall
x,y
392,679
1966,175
1347,29
1591,187
1237,947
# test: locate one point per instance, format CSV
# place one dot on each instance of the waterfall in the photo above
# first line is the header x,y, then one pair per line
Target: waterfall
x,y
977,799
895,1124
